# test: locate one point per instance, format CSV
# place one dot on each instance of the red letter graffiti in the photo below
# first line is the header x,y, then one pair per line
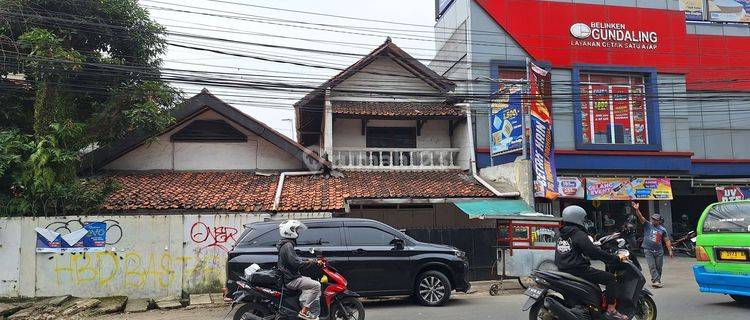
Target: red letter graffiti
x,y
218,236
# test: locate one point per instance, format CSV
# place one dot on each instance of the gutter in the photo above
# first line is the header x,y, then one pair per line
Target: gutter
x,y
473,163
280,186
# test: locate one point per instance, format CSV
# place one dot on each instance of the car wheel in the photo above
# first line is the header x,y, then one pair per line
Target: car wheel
x,y
432,289
741,299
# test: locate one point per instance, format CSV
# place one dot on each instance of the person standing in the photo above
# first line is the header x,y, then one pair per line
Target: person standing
x,y
655,238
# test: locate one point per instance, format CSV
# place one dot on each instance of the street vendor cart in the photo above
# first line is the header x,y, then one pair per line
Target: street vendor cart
x,y
525,239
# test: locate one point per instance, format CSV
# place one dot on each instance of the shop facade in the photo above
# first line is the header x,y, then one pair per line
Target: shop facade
x,y
648,100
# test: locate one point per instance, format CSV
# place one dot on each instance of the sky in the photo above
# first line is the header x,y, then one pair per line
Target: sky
x,y
244,29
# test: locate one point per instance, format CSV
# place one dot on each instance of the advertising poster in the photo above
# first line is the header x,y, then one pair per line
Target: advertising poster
x,y
725,194
627,189
601,117
729,10
506,121
621,113
639,116
571,187
91,238
542,146
694,9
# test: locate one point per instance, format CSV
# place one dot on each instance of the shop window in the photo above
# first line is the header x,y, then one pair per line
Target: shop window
x,y
613,109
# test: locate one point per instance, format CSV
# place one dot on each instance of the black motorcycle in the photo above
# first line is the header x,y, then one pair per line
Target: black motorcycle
x,y
559,295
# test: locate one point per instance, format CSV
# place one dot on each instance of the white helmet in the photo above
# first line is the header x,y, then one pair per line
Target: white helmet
x,y
291,229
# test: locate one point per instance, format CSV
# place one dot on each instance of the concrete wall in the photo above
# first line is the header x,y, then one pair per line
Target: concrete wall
x,y
163,154
719,126
146,256
383,78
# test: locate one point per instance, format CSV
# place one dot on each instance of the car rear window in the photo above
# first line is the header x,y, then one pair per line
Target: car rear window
x,y
728,217
259,238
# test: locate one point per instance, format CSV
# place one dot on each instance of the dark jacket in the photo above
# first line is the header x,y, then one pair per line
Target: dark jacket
x,y
289,263
574,250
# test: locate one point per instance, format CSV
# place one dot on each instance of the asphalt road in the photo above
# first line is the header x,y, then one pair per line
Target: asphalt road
x,y
679,299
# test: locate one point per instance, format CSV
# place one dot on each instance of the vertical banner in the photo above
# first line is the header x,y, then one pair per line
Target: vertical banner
x,y
506,116
542,146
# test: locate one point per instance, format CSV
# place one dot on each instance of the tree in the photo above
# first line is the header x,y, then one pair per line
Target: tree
x,y
91,74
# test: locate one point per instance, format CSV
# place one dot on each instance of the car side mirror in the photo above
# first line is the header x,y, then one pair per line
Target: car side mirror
x,y
397,243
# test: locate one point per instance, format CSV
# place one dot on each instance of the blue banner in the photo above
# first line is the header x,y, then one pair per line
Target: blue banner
x,y
89,239
506,121
542,145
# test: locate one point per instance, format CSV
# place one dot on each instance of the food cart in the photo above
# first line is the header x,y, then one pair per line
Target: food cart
x,y
525,239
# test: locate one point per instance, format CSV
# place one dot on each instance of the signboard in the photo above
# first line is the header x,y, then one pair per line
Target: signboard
x,y
506,121
571,187
627,189
92,238
732,193
729,10
694,9
542,146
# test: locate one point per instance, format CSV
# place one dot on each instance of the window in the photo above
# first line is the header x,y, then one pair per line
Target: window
x,y
268,239
326,237
391,137
613,109
512,75
364,236
728,217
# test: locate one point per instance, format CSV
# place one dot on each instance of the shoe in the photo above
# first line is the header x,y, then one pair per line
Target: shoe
x,y
657,285
614,315
307,316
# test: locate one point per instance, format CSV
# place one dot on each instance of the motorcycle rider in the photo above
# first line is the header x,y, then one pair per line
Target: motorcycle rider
x,y
574,251
290,265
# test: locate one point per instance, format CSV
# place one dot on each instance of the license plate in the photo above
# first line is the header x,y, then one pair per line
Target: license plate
x,y
734,255
534,292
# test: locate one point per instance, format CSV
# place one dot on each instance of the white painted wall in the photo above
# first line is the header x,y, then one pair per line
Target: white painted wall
x,y
162,154
379,80
347,133
461,140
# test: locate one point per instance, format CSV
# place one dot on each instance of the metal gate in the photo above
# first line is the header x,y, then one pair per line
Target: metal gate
x,y
480,246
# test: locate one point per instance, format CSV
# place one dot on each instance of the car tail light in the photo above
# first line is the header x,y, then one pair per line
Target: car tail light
x,y
700,254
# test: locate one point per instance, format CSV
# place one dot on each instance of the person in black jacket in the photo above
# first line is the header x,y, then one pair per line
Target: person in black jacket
x,y
290,265
575,249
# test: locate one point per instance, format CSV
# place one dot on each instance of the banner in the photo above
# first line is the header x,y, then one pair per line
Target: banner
x,y
542,146
694,9
732,193
627,189
506,121
91,238
729,10
571,187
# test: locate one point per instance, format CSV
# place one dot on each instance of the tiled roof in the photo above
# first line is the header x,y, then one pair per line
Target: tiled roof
x,y
395,108
175,190
321,193
246,191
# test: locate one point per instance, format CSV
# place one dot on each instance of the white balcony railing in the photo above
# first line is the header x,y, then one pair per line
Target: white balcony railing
x,y
398,159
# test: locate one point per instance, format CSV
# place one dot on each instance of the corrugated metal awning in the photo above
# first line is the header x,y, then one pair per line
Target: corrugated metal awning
x,y
500,209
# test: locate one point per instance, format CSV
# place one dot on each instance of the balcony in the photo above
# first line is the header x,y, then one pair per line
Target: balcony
x,y
396,159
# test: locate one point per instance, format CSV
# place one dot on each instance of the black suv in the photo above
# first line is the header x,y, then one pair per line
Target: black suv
x,y
375,258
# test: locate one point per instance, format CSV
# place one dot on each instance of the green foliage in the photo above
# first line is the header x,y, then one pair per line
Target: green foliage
x,y
92,76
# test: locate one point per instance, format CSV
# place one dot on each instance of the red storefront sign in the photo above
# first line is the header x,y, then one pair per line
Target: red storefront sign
x,y
566,34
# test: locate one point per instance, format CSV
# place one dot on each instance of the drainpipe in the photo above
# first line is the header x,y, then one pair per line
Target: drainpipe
x,y
473,156
280,186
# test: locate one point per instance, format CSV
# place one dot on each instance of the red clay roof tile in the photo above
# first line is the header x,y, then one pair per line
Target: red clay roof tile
x,y
395,109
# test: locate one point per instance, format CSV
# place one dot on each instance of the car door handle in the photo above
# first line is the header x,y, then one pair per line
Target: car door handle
x,y
359,252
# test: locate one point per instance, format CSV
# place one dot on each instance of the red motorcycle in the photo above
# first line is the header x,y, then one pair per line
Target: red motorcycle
x,y
263,296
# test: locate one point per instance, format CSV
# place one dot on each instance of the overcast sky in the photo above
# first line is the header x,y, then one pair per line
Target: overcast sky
x,y
242,23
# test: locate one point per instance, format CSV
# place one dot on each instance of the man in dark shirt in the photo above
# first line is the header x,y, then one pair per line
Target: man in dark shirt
x,y
655,237
574,251
290,265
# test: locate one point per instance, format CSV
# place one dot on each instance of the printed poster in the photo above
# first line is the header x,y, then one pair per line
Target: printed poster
x,y
571,187
542,145
627,189
506,121
694,9
729,10
725,194
92,238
